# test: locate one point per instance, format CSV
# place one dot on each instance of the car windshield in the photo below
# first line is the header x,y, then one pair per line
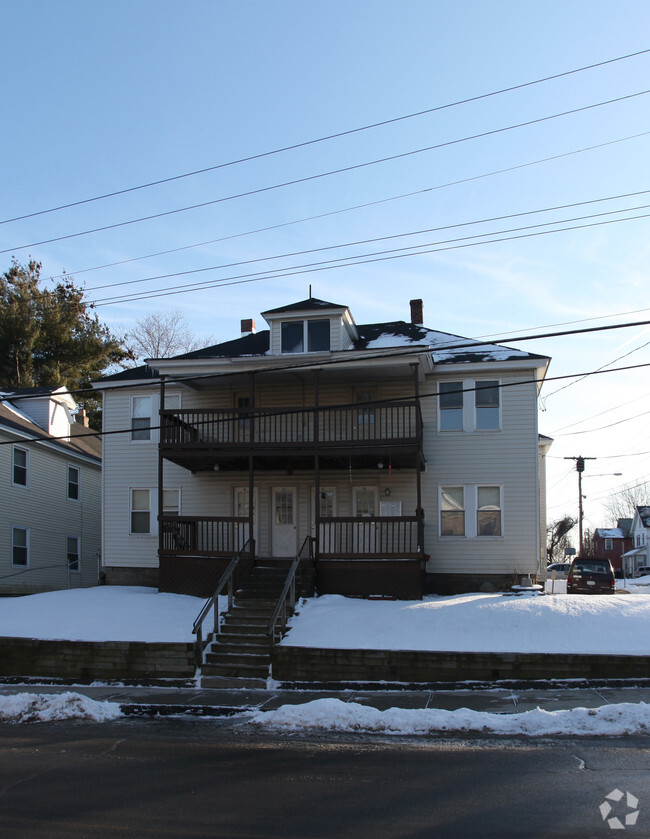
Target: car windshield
x,y
592,568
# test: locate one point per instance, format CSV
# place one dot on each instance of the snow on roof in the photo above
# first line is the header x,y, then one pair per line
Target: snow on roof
x,y
610,533
644,515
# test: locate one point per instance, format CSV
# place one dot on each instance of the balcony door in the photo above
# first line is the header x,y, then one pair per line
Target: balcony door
x,y
365,505
284,519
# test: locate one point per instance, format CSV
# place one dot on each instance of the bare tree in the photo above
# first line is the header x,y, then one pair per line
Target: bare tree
x,y
557,538
163,334
622,504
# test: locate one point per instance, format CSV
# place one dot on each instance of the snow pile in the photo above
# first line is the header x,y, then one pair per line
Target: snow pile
x,y
606,624
37,707
335,715
103,613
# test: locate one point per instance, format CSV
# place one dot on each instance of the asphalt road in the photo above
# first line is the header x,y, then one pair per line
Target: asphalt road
x,y
222,778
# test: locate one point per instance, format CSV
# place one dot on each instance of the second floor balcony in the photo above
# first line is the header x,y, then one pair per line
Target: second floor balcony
x,y
197,438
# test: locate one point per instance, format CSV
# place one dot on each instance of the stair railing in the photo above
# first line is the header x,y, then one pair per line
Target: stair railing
x,y
287,599
227,579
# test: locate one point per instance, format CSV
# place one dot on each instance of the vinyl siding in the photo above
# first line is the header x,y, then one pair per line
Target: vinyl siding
x,y
45,510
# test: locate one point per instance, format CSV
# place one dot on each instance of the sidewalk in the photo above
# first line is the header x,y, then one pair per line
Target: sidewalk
x,y
165,701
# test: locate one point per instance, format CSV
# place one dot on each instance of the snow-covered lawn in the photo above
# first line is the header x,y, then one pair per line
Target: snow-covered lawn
x,y
104,613
559,623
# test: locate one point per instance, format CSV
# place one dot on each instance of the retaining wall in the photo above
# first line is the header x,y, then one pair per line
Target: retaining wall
x,y
88,660
305,664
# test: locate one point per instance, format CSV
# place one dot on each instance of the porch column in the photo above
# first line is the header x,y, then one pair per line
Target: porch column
x,y
251,465
316,465
419,512
160,467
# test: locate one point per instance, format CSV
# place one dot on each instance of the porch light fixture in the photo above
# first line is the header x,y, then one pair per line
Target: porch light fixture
x,y
216,467
380,464
387,491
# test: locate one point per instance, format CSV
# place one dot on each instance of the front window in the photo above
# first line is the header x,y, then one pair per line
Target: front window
x,y
141,418
20,546
171,499
487,406
73,483
140,511
609,544
451,406
488,521
73,553
293,336
20,466
318,335
452,511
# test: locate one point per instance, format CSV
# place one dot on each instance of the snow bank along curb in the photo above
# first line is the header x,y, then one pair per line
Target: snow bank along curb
x,y
35,707
335,715
306,664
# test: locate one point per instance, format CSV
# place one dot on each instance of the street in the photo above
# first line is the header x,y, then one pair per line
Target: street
x,y
224,778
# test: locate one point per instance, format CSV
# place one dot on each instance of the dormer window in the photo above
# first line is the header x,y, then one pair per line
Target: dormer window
x,y
312,334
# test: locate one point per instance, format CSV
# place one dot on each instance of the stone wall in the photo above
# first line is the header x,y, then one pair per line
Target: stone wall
x,y
86,660
306,664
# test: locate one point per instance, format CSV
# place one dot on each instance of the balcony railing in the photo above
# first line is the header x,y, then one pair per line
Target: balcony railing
x,y
385,537
262,428
208,536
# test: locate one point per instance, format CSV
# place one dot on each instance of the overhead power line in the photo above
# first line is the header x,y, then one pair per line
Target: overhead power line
x,y
354,207
331,172
334,136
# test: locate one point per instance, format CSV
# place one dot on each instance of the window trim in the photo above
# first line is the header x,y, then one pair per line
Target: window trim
x,y
71,483
72,570
132,416
150,531
25,450
14,528
471,510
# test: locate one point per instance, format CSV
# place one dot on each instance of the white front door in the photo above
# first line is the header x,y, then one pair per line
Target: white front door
x,y
365,504
284,521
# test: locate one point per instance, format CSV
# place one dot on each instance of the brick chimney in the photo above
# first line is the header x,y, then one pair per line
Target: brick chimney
x,y
417,315
82,417
248,326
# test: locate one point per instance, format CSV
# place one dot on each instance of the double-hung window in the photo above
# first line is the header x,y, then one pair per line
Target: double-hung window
x,y
452,511
73,553
451,406
486,399
488,511
73,483
20,546
609,544
141,418
20,466
140,511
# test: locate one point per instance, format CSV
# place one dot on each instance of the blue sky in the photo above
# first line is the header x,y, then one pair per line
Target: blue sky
x,y
99,98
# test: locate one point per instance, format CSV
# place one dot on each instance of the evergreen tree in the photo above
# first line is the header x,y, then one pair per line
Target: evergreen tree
x,y
50,336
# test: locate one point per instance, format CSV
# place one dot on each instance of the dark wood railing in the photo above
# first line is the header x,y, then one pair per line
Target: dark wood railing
x,y
287,599
263,427
206,536
384,537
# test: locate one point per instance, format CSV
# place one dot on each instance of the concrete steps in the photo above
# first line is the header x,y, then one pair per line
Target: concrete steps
x,y
242,649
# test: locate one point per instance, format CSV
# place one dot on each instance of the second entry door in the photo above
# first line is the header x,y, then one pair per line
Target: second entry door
x,y
284,521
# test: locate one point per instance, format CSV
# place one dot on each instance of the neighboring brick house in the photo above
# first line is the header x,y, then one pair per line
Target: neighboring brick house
x,y
50,493
408,458
612,542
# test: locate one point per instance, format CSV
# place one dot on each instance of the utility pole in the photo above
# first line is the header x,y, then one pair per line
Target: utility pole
x,y
580,468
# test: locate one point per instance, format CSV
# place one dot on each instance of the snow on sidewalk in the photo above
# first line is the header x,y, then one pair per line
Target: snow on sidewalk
x,y
37,707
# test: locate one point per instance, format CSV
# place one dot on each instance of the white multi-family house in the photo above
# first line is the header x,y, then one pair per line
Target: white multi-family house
x,y
639,555
50,493
406,459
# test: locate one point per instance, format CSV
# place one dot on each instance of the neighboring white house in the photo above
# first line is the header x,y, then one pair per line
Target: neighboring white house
x,y
639,555
410,457
50,493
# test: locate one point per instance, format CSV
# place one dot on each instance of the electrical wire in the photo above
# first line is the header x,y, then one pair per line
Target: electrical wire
x,y
339,171
334,136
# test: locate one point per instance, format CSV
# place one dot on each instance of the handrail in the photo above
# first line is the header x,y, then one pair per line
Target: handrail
x,y
288,591
213,602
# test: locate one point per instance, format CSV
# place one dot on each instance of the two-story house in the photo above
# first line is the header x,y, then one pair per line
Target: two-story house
x,y
50,493
639,554
407,458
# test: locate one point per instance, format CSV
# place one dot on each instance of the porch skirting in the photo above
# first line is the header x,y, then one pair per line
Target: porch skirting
x,y
399,578
195,575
